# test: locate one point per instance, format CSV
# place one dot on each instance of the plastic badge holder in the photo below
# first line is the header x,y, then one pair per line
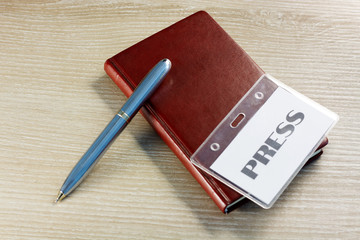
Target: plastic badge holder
x,y
264,141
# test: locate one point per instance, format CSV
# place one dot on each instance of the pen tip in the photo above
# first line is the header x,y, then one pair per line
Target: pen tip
x,y
60,197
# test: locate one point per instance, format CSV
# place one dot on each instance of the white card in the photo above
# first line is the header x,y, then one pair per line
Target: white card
x,y
263,158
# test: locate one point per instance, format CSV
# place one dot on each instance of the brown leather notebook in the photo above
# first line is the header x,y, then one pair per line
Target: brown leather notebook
x,y
210,74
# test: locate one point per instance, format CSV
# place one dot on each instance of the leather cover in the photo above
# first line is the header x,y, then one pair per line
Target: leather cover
x,y
210,74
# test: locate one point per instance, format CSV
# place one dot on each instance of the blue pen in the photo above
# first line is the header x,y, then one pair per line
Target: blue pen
x,y
144,90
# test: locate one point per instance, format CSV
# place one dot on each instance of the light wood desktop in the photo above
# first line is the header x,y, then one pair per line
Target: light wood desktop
x,y
56,98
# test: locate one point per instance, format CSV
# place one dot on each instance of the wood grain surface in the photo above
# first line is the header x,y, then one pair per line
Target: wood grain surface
x,y
56,98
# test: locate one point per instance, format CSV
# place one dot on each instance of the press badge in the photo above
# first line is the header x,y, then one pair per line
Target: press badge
x,y
264,141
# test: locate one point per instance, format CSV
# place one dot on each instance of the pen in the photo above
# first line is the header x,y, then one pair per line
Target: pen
x,y
144,90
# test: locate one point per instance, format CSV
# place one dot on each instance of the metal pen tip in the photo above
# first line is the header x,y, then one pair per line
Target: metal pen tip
x,y
60,197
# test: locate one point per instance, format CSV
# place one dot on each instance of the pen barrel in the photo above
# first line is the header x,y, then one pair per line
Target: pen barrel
x,y
94,153
146,87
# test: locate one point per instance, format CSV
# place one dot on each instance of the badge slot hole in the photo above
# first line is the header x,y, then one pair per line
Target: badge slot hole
x,y
236,122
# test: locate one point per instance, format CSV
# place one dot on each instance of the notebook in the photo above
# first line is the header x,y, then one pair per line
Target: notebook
x,y
210,74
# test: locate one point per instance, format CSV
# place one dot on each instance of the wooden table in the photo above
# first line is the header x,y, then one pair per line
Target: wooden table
x,y
56,98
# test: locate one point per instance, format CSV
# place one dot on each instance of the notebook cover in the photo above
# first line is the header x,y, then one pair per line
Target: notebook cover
x,y
210,74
